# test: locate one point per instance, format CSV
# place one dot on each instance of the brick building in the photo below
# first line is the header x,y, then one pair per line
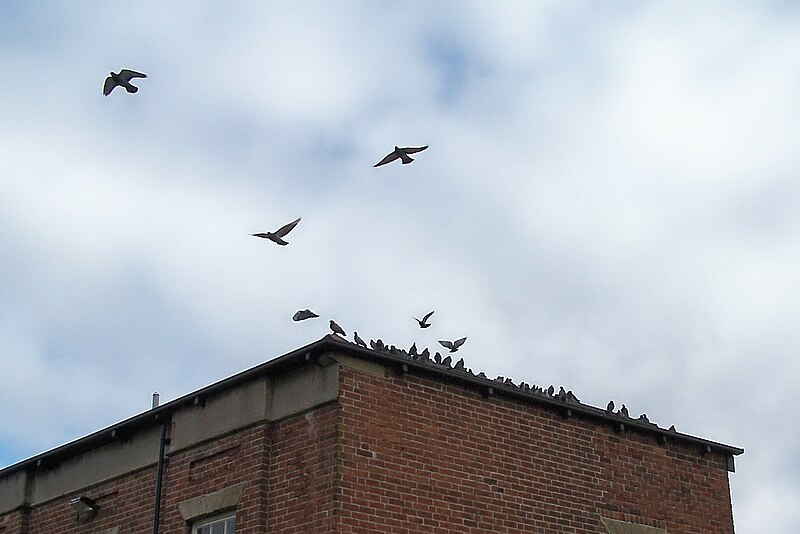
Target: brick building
x,y
334,438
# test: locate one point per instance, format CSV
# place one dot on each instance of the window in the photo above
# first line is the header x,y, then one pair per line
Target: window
x,y
225,525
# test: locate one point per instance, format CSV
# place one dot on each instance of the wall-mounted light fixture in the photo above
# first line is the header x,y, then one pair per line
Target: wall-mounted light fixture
x,y
83,505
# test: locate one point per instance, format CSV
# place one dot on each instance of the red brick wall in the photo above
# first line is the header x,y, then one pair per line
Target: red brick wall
x,y
13,523
239,457
422,456
412,455
124,501
302,473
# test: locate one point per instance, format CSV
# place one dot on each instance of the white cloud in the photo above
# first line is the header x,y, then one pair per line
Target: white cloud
x,y
608,203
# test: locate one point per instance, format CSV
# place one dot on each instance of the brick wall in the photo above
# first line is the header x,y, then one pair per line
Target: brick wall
x,y
408,454
303,471
419,455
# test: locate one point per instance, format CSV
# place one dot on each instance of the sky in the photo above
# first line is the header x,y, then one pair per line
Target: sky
x,y
609,203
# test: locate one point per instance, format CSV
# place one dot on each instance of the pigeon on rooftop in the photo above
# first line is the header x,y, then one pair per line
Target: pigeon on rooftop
x,y
402,153
123,79
452,345
360,342
336,328
277,235
423,323
302,315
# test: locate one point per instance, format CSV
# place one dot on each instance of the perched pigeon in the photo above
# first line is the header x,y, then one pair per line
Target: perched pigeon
x,y
402,153
336,328
424,322
278,234
359,341
302,315
610,406
452,345
123,79
624,411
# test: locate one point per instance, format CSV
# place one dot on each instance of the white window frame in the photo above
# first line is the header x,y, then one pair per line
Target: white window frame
x,y
223,518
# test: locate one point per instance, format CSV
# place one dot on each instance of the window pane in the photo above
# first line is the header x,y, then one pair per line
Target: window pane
x,y
218,526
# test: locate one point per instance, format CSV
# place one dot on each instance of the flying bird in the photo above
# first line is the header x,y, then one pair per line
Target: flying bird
x,y
452,345
277,235
336,328
402,153
360,342
424,322
122,79
302,315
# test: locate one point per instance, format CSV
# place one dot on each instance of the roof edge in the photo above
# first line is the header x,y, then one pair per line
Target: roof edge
x,y
567,404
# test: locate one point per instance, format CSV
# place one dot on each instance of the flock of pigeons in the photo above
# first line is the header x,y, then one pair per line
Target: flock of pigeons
x,y
302,315
123,79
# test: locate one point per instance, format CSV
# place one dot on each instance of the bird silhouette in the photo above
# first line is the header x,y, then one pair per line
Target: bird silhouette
x,y
277,235
452,345
360,342
610,406
123,78
423,323
302,315
336,328
402,153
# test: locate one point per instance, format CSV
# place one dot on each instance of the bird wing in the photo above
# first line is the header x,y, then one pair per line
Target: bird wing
x,y
127,74
388,159
265,236
283,230
109,86
413,149
458,342
446,344
278,240
425,319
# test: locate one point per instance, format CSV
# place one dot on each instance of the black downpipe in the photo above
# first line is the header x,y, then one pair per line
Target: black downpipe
x,y
160,477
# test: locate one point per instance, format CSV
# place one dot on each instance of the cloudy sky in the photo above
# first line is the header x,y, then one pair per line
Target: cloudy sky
x,y
609,202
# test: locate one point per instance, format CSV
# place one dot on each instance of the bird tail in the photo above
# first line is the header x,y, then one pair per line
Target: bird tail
x,y
406,158
131,88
